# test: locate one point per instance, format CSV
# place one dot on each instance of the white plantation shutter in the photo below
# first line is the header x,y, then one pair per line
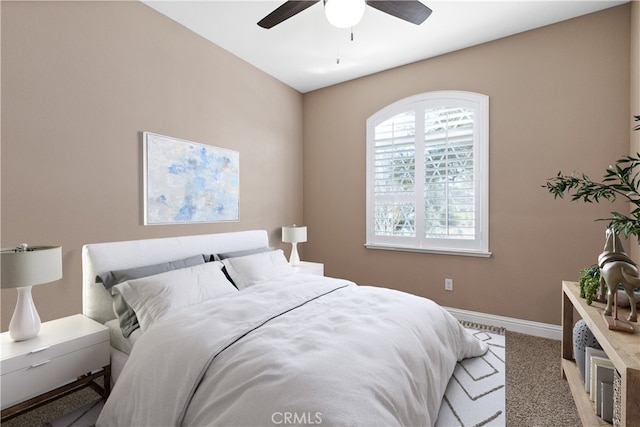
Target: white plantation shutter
x,y
394,175
427,174
449,192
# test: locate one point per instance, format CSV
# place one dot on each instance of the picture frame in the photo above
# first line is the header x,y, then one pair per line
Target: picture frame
x,y
187,182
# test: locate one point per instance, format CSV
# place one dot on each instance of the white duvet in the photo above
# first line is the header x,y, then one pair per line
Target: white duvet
x,y
305,350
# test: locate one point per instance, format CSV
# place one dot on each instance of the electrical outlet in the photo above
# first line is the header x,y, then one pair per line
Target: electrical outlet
x,y
448,284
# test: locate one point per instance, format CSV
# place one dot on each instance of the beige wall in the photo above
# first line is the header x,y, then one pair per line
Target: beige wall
x,y
80,81
559,100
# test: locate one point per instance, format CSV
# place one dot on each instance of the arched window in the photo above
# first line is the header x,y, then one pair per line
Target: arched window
x,y
428,174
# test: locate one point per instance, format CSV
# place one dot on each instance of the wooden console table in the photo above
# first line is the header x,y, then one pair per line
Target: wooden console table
x,y
622,348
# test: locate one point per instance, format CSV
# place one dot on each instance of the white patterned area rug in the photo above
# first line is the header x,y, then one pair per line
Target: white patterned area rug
x,y
475,395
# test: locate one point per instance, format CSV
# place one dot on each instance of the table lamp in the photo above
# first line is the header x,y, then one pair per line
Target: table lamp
x,y
294,234
22,268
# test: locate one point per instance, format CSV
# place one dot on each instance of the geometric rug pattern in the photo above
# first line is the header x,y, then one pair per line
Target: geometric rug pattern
x,y
475,395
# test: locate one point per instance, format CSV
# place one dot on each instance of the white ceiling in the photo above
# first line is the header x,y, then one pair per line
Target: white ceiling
x,y
302,51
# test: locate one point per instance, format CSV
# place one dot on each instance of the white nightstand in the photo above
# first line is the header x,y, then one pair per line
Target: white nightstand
x,y
68,354
307,267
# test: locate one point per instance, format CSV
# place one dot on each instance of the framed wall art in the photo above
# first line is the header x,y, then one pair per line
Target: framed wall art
x,y
188,182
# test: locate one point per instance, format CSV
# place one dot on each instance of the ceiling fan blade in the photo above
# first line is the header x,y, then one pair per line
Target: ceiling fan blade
x,y
284,12
408,10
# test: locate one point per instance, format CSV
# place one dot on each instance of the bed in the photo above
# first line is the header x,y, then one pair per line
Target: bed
x,y
218,329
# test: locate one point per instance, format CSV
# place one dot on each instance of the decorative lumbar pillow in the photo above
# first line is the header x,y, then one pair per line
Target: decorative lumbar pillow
x,y
154,297
112,278
249,270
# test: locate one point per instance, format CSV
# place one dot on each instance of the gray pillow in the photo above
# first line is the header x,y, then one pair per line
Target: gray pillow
x,y
112,278
126,316
220,257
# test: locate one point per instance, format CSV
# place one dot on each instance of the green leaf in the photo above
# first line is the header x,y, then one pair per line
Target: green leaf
x,y
621,180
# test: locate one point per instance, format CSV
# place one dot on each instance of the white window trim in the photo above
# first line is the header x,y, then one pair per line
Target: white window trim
x,y
480,104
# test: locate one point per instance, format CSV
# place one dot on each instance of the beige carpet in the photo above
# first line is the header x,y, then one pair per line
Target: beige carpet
x,y
536,394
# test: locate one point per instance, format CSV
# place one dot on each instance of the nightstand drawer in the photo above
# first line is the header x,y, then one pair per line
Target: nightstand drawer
x,y
64,350
56,338
48,351
46,374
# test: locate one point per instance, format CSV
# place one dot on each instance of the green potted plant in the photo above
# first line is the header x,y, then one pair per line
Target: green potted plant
x,y
620,180
589,283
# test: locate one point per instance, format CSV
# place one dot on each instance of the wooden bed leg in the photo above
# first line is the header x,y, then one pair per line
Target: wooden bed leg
x,y
107,382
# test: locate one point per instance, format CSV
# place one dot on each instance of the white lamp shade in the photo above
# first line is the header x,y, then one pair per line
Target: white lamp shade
x,y
344,13
34,266
294,234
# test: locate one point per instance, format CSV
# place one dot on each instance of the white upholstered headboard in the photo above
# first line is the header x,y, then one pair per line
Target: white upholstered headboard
x,y
98,258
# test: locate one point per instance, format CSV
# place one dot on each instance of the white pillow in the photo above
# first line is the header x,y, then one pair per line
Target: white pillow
x,y
153,297
248,270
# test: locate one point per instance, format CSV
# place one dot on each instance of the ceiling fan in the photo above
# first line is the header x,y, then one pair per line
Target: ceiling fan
x,y
347,13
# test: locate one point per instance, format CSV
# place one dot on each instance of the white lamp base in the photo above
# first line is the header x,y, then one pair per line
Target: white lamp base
x,y
294,259
25,323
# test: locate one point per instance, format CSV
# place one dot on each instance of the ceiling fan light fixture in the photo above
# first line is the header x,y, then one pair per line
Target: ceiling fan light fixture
x,y
344,13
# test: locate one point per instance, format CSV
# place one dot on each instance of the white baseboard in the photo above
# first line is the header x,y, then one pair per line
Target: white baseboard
x,y
544,330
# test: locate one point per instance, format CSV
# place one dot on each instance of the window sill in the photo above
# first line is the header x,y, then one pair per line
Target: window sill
x,y
459,252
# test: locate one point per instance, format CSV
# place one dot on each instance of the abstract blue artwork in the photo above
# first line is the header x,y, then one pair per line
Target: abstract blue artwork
x,y
188,182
